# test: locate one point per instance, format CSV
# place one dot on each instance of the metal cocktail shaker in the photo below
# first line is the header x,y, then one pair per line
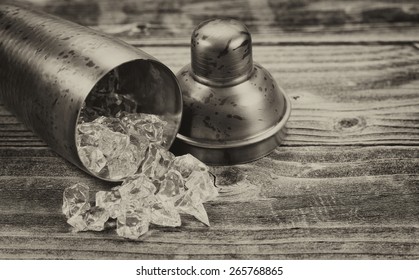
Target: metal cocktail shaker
x,y
234,111
49,66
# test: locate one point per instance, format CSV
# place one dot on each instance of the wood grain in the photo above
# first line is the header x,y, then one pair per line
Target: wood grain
x,y
269,20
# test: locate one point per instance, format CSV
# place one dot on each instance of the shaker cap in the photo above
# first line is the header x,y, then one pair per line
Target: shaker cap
x,y
233,110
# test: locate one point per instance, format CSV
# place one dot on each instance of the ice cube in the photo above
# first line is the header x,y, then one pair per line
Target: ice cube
x,y
113,124
201,186
138,187
187,205
110,143
153,130
88,134
151,161
187,163
141,143
134,220
164,163
148,125
93,219
171,187
75,200
110,201
126,163
164,213
92,158
157,161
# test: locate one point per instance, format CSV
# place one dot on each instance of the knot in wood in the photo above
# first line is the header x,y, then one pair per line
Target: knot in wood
x,y
350,124
347,123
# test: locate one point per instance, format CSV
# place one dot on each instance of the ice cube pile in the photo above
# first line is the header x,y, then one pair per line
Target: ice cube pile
x,y
144,198
113,139
117,147
116,142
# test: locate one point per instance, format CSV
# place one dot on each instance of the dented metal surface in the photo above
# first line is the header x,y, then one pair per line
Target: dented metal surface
x,y
49,66
234,111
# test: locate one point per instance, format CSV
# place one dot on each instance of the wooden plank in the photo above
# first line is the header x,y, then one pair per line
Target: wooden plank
x,y
31,164
65,248
340,95
275,21
313,202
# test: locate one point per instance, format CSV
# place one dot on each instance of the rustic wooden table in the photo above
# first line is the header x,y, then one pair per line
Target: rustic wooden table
x,y
343,185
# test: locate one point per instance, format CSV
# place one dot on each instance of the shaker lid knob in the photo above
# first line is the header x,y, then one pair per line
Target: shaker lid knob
x,y
221,52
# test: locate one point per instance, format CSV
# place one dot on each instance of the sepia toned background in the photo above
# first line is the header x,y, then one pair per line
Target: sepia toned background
x,y
343,185
278,20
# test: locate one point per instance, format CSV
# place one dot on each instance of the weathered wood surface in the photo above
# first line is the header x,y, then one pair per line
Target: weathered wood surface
x,y
311,202
340,95
343,185
151,21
